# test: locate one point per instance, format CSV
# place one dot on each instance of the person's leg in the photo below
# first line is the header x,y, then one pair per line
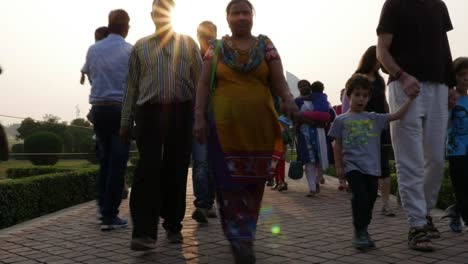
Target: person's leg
x,y
176,158
311,179
103,144
281,167
200,182
434,141
458,172
464,193
372,187
407,140
361,203
145,197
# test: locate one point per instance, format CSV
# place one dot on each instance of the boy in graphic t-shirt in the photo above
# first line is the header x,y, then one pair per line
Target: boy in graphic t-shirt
x,y
357,153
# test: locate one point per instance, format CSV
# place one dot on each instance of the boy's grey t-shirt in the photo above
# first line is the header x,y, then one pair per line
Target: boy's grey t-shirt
x,y
360,134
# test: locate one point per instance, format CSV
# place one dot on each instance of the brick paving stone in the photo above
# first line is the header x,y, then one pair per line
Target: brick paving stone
x,y
312,230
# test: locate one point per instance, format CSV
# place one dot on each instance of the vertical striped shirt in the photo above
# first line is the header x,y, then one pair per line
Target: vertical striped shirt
x,y
161,74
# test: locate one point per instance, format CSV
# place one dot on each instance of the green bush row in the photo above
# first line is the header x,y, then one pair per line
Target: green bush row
x,y
27,198
16,173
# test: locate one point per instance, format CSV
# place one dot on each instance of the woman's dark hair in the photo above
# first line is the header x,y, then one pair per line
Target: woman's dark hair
x,y
368,62
239,1
358,81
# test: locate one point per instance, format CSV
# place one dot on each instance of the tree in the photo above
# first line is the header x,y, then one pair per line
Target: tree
x,y
27,127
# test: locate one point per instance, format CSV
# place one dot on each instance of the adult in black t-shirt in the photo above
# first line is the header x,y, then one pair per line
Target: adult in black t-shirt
x,y
413,47
370,66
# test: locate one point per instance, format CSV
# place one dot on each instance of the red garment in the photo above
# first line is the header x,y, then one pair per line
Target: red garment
x,y
280,171
338,109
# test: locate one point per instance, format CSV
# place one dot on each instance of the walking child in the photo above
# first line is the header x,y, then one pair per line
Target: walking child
x,y
357,153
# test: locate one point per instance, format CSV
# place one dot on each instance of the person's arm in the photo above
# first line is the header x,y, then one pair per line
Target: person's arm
x,y
200,128
131,96
83,78
280,87
338,155
409,83
401,112
314,117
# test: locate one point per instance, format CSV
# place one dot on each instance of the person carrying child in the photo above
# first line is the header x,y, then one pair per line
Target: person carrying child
x,y
357,153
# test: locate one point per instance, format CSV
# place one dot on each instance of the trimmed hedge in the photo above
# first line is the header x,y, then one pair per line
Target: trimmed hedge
x,y
43,142
17,173
27,198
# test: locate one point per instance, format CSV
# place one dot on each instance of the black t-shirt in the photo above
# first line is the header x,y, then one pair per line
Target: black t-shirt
x,y
377,100
420,45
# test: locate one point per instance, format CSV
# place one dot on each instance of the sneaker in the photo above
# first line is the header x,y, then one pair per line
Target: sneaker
x,y
113,224
431,230
200,215
211,213
282,186
142,243
361,240
456,224
270,183
174,237
243,252
387,211
275,187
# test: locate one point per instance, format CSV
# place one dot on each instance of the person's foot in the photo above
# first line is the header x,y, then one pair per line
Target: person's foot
x,y
431,230
418,240
275,187
322,180
243,252
116,223
317,187
142,243
456,224
125,194
174,237
200,215
341,188
211,213
270,183
387,211
282,186
361,240
311,194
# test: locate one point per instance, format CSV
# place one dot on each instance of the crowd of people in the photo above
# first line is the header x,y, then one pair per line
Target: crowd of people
x,y
188,104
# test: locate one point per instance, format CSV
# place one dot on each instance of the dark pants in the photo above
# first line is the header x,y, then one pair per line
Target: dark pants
x,y
364,190
459,176
113,157
164,137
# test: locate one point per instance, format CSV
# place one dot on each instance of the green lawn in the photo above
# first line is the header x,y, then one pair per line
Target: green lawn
x,y
25,163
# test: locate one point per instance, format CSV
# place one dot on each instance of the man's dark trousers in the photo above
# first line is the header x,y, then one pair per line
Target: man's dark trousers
x,y
113,157
164,139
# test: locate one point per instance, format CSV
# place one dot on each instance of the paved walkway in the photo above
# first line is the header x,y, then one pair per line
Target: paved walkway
x,y
311,230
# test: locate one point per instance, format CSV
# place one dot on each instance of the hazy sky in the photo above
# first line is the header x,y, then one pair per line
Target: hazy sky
x,y
44,43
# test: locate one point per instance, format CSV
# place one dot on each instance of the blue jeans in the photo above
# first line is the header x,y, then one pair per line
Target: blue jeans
x,y
202,178
113,157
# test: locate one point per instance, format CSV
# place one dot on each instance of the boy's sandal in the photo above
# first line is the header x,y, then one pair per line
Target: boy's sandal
x,y
418,240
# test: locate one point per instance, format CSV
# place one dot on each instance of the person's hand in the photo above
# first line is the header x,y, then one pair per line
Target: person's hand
x,y
291,110
200,129
125,134
410,85
82,79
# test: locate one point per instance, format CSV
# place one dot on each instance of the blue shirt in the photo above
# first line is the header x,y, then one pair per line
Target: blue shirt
x,y
107,68
457,143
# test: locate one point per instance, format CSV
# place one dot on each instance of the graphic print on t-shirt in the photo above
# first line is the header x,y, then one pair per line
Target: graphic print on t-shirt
x,y
359,132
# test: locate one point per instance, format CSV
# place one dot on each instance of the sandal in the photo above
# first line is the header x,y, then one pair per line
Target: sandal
x,y
418,240
431,230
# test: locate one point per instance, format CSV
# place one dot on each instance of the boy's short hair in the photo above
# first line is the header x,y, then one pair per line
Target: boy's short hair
x,y
460,64
358,81
317,87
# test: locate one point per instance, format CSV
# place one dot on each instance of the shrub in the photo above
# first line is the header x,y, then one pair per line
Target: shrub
x,y
16,173
88,145
18,149
27,198
43,142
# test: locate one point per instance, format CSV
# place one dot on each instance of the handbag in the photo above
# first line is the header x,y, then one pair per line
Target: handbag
x,y
296,168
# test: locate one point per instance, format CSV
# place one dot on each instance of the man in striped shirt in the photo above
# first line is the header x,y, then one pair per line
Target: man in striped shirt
x,y
163,72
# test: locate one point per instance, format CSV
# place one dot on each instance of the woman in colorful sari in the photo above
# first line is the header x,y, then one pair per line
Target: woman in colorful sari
x,y
242,128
